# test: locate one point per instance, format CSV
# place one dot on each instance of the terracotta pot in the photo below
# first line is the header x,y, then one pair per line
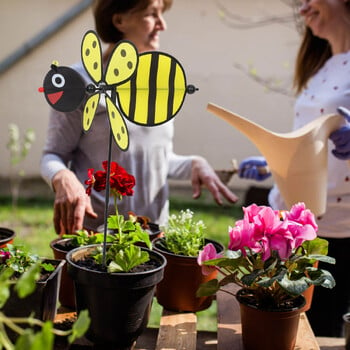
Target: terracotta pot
x,y
182,278
119,304
66,292
6,236
269,329
308,294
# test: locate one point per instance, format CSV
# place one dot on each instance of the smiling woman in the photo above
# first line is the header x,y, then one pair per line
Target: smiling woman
x,y
321,81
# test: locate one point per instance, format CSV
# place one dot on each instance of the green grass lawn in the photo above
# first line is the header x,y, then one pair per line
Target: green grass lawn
x,y
32,222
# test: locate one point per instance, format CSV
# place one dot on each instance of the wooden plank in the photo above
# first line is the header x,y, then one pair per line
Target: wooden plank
x,y
229,320
177,331
331,343
305,337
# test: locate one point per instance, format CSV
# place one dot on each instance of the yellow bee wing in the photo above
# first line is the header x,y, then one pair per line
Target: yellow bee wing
x,y
89,111
117,124
122,64
91,54
155,94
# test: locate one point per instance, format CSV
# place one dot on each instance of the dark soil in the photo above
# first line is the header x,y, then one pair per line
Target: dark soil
x,y
269,303
91,264
65,245
44,275
5,233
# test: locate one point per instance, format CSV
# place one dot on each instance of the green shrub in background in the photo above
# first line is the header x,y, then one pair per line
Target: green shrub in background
x,y
19,147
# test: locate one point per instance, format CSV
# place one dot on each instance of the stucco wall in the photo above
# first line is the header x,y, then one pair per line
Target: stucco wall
x,y
200,34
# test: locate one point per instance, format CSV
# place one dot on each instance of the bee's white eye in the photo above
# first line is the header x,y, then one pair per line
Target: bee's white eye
x,y
58,80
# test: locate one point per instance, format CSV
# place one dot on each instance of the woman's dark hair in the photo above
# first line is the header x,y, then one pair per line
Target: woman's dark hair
x,y
104,10
312,55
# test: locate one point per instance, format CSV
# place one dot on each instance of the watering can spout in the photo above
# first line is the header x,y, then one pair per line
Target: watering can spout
x,y
297,160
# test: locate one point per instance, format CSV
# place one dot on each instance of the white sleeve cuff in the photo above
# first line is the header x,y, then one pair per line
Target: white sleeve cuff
x,y
50,165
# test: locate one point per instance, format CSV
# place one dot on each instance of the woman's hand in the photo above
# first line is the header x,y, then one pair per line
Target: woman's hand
x,y
341,137
71,203
204,175
254,168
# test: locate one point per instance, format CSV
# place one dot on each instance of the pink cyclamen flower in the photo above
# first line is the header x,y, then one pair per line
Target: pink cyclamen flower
x,y
301,215
208,253
302,224
4,256
243,235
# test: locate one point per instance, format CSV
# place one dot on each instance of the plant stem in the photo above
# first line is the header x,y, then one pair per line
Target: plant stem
x,y
118,219
4,339
107,198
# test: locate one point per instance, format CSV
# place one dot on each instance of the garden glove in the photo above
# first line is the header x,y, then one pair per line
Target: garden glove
x,y
341,137
254,168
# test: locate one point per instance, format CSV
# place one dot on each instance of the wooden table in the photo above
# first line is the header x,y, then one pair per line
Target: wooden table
x,y
178,331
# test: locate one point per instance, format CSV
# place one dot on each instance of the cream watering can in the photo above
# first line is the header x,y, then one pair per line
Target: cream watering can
x,y
297,160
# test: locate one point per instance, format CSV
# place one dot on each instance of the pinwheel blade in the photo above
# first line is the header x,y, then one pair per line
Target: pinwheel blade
x,y
118,126
90,110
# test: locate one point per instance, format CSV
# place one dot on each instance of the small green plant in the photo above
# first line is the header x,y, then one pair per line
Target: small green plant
x,y
19,260
19,149
19,270
184,235
42,338
83,237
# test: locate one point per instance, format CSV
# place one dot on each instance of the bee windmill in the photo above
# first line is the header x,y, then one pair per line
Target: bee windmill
x,y
148,89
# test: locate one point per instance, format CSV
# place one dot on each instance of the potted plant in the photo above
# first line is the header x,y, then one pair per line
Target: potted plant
x,y
151,228
271,255
115,281
60,247
183,239
6,236
42,300
28,332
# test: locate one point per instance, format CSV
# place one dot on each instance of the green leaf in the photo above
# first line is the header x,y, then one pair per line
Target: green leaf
x,y
294,287
317,246
128,258
5,283
323,258
25,340
249,279
208,288
44,339
321,278
80,326
114,267
48,267
26,284
115,222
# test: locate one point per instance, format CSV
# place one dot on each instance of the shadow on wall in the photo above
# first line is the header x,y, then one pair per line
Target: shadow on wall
x,y
34,187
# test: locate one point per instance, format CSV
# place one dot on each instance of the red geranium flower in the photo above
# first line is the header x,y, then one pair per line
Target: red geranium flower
x,y
121,182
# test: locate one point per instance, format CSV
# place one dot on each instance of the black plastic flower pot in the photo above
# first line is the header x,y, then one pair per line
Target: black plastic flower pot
x,y
6,236
119,304
42,303
60,248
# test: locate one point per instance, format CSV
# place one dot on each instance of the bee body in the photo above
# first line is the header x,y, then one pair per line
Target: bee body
x,y
156,92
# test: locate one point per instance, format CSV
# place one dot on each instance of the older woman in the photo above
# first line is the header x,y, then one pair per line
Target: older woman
x,y
69,152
